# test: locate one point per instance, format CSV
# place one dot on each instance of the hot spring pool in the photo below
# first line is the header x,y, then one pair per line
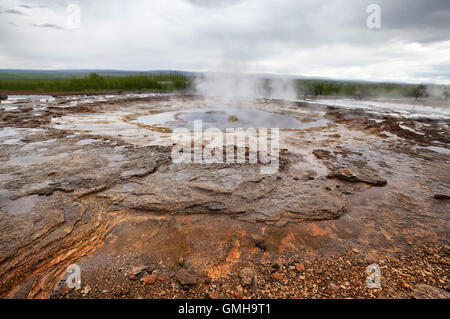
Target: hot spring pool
x,y
227,117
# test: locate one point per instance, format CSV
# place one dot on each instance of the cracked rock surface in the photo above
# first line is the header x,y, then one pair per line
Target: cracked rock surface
x,y
83,184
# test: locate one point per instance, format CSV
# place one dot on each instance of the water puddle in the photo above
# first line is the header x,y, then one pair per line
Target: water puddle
x,y
27,98
11,136
437,149
410,129
39,146
87,141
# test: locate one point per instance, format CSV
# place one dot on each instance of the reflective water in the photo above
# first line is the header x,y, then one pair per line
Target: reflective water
x,y
437,149
227,117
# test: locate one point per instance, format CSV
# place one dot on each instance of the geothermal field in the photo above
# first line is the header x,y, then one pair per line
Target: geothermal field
x,y
91,180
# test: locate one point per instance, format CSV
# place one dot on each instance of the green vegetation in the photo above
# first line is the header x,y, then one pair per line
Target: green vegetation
x,y
96,82
164,81
363,89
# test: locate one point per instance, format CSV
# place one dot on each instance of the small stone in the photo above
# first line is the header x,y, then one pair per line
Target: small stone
x,y
86,290
149,279
185,278
181,261
64,290
333,286
132,277
213,295
276,276
300,267
247,274
259,242
136,271
238,295
404,285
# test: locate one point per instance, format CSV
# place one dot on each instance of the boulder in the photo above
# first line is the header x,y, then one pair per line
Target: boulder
x,y
363,175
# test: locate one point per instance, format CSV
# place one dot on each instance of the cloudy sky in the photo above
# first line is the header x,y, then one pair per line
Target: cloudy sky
x,y
316,38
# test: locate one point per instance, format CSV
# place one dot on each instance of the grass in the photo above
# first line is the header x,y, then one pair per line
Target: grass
x,y
93,82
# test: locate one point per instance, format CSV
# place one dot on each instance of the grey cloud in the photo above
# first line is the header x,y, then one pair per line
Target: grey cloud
x,y
48,25
317,37
214,3
14,11
321,21
421,21
401,13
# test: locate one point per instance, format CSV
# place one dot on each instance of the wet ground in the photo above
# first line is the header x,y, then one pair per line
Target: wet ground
x,y
90,180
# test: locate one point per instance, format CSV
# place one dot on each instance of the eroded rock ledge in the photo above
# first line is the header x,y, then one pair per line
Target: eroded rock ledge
x,y
57,208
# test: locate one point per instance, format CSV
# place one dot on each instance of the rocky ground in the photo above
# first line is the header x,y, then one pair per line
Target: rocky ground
x,y
82,183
